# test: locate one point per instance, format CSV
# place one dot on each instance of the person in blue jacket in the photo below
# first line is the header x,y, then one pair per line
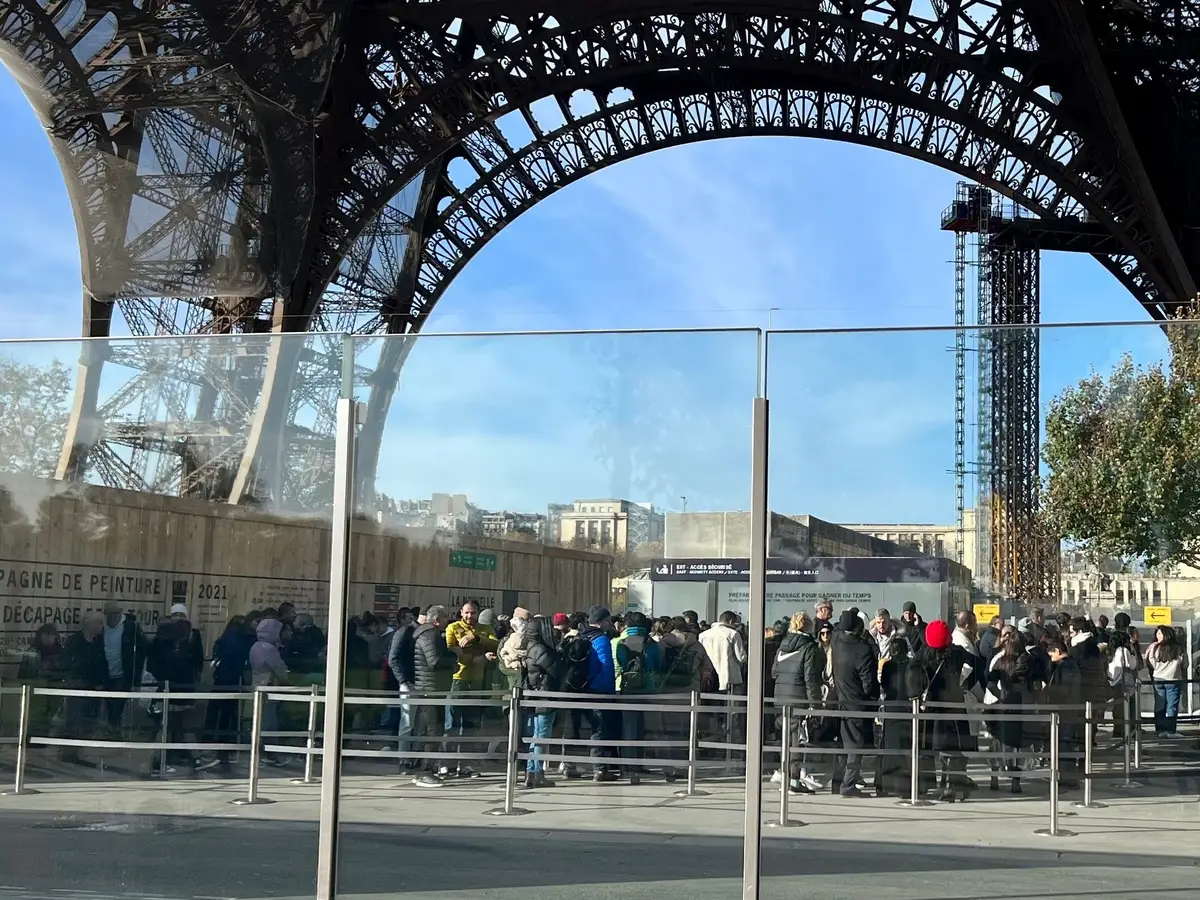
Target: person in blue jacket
x,y
605,723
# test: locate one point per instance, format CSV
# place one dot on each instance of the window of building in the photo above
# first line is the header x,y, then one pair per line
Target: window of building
x,y
1070,595
1120,595
1157,595
1145,593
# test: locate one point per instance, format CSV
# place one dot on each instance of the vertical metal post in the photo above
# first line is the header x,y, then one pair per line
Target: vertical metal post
x,y
310,743
335,656
1135,715
915,800
754,657
166,711
24,715
510,771
1089,737
785,766
1133,731
1189,686
256,739
693,749
1055,762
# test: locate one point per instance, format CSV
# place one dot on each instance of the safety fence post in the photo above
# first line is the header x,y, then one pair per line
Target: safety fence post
x,y
256,728
1132,743
310,742
915,799
693,749
24,714
514,749
1089,737
1055,761
166,712
785,765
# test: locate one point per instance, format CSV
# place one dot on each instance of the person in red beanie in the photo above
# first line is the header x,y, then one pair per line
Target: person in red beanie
x,y
942,673
562,624
937,635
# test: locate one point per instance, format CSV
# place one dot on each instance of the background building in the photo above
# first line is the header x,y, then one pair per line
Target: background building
x,y
514,524
618,525
932,540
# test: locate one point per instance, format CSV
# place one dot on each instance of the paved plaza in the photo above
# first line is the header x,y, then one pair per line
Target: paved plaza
x,y
186,839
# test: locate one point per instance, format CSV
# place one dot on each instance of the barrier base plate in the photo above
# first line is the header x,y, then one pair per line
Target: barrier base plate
x,y
692,794
501,811
1127,785
302,781
1079,804
790,823
246,801
915,804
23,792
1046,832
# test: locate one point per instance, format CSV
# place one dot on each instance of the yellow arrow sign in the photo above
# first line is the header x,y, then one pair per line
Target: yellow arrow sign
x,y
1158,615
985,612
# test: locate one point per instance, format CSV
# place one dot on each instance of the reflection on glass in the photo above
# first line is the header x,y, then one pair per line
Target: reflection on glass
x,y
544,476
1047,495
164,529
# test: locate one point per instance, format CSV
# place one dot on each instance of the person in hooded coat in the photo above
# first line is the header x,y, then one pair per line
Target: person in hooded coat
x,y
798,670
893,771
267,669
941,674
543,671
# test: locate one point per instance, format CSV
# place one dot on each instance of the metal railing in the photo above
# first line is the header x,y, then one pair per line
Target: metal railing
x,y
518,704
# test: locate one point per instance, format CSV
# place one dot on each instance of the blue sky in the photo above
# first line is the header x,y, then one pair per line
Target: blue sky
x,y
711,235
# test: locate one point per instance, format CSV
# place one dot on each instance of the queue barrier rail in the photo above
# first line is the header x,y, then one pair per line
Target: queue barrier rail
x,y
519,703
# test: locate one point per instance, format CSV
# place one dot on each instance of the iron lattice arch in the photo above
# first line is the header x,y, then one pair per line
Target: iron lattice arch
x,y
248,167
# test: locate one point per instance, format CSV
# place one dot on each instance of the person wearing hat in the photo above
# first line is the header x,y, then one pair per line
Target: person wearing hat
x,y
913,626
125,649
943,672
856,678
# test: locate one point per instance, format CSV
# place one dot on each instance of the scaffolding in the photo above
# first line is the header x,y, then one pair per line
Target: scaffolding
x,y
1012,558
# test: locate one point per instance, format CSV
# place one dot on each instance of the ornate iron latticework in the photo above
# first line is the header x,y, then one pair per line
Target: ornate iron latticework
x,y
245,167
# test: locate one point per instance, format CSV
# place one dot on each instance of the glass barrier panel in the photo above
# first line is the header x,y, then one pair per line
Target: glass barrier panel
x,y
536,508
164,568
996,525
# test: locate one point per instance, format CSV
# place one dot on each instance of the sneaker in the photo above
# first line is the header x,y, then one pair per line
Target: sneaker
x,y
468,772
169,770
853,794
776,777
604,777
443,772
797,786
811,783
200,764
426,780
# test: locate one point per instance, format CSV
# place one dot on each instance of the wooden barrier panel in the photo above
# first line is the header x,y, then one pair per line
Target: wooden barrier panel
x,y
65,549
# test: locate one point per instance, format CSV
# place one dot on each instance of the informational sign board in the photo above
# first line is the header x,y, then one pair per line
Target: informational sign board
x,y
985,612
472,559
1158,615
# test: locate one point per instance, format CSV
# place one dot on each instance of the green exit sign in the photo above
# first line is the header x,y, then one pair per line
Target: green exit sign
x,y
469,559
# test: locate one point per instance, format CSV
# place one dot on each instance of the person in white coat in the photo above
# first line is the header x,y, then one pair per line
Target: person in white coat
x,y
724,645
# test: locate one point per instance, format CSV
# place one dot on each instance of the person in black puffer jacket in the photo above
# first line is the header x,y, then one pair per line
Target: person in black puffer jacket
x,y
433,670
798,670
543,671
1093,667
856,678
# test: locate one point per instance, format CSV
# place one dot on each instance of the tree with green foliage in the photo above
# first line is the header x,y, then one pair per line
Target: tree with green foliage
x,y
1123,454
33,416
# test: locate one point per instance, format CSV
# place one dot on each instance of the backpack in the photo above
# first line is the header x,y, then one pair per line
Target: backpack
x,y
678,669
576,655
634,677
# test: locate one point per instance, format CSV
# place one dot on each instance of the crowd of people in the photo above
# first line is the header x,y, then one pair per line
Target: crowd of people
x,y
835,676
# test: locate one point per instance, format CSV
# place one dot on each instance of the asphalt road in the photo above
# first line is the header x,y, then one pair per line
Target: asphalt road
x,y
161,857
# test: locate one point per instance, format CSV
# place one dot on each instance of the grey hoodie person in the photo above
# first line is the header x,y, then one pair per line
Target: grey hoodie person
x,y
266,663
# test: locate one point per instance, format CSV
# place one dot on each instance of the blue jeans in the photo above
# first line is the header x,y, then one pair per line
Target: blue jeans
x,y
1166,706
403,715
538,725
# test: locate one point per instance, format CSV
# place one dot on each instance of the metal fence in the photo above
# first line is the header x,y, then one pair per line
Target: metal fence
x,y
678,754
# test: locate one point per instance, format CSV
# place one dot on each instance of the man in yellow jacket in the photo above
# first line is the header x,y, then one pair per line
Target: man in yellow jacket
x,y
475,646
